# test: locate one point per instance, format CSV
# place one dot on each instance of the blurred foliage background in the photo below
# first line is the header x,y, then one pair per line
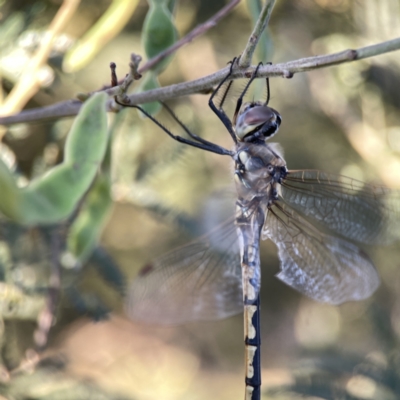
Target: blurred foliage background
x,y
342,119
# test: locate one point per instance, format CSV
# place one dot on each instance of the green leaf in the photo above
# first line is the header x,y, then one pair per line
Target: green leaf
x,y
10,199
54,196
150,82
86,229
10,28
159,31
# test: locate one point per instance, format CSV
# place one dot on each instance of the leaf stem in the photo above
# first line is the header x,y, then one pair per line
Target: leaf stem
x,y
261,24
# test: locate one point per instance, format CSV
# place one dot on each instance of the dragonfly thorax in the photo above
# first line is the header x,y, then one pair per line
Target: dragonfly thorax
x,y
259,170
256,122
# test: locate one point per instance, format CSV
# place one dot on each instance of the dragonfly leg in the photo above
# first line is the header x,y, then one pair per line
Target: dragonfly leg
x,y
240,99
267,85
219,112
185,128
213,148
196,142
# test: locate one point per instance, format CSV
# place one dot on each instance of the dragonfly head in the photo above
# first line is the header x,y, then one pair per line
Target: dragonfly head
x,y
256,122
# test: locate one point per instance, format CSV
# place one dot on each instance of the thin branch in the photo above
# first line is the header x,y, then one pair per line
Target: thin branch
x,y
199,30
29,83
133,75
261,24
102,32
202,85
67,108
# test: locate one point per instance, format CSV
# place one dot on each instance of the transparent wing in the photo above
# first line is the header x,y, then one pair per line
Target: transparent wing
x,y
199,281
353,209
325,268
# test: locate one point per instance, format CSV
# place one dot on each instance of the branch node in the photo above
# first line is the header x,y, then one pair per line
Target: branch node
x,y
133,75
352,54
134,66
82,96
114,79
287,74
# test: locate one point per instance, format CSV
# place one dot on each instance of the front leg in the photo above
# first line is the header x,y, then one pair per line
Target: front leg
x,y
220,113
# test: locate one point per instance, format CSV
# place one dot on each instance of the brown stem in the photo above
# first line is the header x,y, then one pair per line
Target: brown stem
x,y
286,70
199,30
259,27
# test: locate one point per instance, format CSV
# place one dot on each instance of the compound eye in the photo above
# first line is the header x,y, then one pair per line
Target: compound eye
x,y
256,118
256,163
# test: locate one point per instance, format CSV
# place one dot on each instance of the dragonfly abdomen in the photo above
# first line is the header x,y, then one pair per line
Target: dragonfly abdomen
x,y
249,221
252,342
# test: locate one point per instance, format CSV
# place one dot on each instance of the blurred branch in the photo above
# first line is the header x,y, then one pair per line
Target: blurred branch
x,y
310,63
203,85
106,28
199,30
259,27
30,81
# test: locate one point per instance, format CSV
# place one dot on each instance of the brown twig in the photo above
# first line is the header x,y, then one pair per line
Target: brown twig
x,y
286,70
199,30
114,79
120,90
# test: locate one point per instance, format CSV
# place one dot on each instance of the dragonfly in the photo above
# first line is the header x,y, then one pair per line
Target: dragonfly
x,y
315,219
